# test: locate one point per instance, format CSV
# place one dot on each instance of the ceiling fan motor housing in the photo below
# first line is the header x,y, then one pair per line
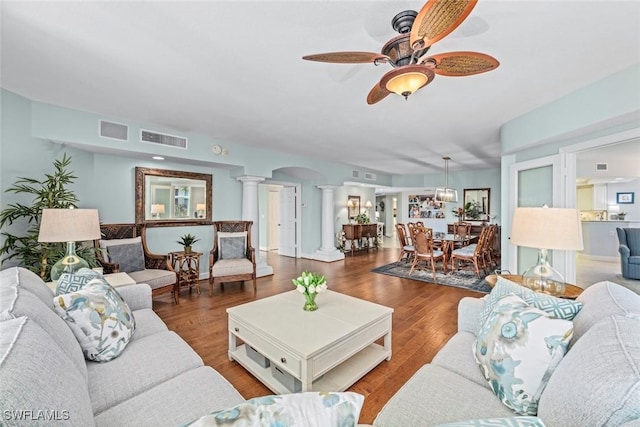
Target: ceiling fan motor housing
x,y
398,48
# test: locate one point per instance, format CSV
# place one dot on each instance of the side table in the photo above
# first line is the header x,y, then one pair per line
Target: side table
x,y
570,292
187,268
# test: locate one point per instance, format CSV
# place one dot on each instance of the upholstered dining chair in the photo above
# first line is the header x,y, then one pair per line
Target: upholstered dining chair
x,y
474,253
406,249
424,251
461,229
123,249
232,258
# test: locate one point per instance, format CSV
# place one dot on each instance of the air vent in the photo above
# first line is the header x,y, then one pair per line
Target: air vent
x,y
355,174
114,130
370,176
602,167
163,139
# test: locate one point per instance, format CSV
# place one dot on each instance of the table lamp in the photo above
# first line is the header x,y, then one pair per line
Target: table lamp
x,y
71,226
546,228
200,208
156,210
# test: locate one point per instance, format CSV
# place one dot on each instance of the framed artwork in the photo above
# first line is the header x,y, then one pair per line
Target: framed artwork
x,y
476,204
353,205
625,198
425,206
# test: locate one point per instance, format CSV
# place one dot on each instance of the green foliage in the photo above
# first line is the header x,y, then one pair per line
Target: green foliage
x,y
51,192
362,219
471,210
187,240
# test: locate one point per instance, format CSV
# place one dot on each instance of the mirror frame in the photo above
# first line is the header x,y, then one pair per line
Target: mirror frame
x,y
479,193
140,192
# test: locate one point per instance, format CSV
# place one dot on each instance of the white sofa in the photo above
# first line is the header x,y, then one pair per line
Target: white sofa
x,y
597,383
158,380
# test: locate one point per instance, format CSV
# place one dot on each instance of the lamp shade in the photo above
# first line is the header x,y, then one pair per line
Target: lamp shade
x,y
368,204
157,209
69,225
350,203
547,228
200,206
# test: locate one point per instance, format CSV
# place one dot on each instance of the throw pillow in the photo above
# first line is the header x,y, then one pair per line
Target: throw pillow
x,y
72,282
498,422
101,321
517,349
309,409
104,244
129,257
232,245
560,308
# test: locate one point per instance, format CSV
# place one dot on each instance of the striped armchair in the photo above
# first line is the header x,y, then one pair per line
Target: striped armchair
x,y
629,252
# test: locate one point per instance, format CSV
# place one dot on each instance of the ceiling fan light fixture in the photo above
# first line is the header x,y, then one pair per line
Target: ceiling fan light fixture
x,y
407,80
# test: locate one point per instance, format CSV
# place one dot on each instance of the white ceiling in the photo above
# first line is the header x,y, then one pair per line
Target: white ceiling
x,y
233,70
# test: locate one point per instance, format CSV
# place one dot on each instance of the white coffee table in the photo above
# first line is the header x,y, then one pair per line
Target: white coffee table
x,y
327,350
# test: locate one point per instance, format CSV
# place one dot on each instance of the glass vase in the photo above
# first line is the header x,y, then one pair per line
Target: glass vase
x,y
310,302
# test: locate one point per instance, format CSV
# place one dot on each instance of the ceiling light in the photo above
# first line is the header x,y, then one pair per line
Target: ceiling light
x,y
158,158
446,194
406,80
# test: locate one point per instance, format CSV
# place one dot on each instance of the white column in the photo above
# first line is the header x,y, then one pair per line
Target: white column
x,y
327,251
250,213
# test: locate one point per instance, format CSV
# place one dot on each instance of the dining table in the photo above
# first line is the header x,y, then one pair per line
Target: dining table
x,y
448,242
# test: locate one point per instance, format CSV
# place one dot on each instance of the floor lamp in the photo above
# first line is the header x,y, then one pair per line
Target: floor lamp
x,y
71,226
546,228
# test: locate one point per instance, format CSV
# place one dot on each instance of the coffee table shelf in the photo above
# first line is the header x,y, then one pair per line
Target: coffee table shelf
x,y
325,350
339,378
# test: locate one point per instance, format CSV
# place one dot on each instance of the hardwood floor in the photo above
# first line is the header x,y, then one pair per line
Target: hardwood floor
x,y
425,316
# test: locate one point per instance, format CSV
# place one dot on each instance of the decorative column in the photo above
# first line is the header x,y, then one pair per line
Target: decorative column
x,y
327,251
250,213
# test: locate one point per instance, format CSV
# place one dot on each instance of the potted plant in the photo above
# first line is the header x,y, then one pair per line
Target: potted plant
x,y
187,241
51,192
362,219
310,284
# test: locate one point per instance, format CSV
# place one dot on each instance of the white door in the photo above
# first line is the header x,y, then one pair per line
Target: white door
x,y
288,228
273,230
532,183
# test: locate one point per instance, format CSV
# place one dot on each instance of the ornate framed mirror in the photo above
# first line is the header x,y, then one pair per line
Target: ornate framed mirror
x,y
169,198
476,204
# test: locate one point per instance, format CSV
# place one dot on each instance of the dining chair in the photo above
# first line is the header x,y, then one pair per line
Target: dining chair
x,y
406,249
462,229
474,253
424,251
490,256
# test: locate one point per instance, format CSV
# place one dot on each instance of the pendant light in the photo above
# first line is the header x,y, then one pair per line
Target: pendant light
x,y
446,194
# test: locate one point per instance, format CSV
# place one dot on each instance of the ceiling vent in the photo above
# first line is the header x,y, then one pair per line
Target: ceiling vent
x,y
114,130
163,139
355,174
370,176
602,167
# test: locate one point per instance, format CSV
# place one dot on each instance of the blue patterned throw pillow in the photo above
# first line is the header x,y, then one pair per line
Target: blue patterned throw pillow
x,y
559,308
309,409
498,422
72,282
99,318
517,349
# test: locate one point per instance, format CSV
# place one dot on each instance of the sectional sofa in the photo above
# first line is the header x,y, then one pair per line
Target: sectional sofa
x,y
159,380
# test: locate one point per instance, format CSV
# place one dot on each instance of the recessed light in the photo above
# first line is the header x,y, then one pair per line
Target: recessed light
x,y
158,158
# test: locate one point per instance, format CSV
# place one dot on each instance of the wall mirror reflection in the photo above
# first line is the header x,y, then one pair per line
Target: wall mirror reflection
x,y
476,204
353,205
167,197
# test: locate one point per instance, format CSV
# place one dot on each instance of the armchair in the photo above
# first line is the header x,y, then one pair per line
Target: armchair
x,y
232,258
123,248
629,249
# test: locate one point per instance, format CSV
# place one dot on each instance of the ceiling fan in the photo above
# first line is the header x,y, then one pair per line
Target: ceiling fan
x,y
407,53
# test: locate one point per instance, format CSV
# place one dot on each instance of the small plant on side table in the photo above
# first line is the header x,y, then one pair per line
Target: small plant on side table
x,y
187,241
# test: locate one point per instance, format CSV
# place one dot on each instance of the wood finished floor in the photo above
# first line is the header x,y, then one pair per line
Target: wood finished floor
x,y
425,316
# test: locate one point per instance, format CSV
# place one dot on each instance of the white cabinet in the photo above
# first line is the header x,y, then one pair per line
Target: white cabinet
x,y
592,197
600,197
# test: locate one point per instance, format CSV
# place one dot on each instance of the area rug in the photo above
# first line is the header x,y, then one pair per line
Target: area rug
x,y
465,279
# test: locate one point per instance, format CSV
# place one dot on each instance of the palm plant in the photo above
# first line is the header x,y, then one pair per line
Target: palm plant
x,y
51,192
